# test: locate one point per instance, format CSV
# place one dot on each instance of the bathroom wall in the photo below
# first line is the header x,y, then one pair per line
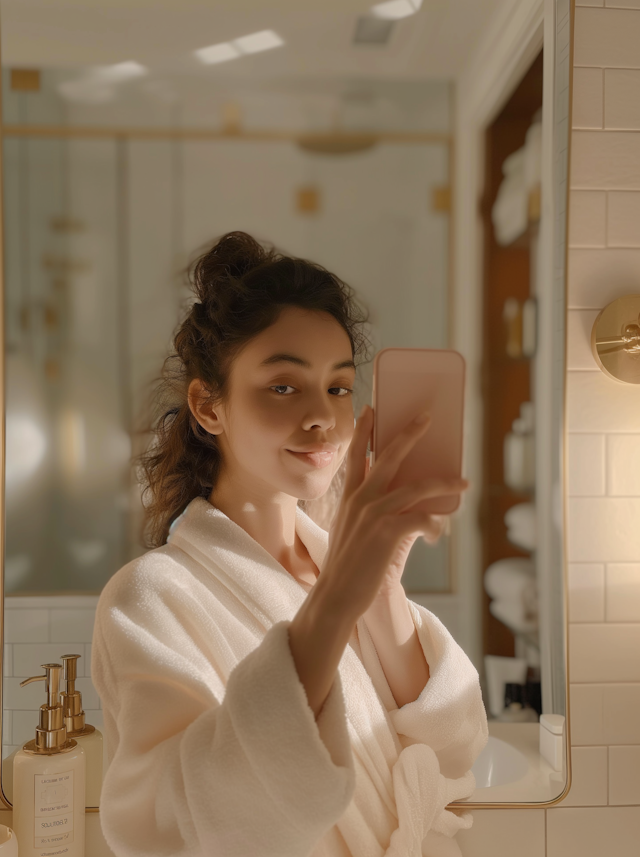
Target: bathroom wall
x,y
602,812
38,630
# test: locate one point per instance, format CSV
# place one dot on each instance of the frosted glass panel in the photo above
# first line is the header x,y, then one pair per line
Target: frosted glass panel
x,y
99,230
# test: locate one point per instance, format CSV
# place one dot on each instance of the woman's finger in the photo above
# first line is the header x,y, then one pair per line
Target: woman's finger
x,y
389,460
417,522
406,496
434,529
357,452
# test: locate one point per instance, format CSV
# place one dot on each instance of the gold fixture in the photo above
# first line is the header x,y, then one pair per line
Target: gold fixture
x,y
308,199
25,80
336,142
441,198
261,135
231,118
615,339
51,734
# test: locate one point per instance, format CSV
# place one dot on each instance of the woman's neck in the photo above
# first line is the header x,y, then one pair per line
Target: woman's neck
x,y
269,520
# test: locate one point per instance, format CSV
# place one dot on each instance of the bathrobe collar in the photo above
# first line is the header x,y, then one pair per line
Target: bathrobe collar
x,y
243,564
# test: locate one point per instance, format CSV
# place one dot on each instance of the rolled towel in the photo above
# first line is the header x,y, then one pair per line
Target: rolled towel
x,y
521,525
514,615
508,578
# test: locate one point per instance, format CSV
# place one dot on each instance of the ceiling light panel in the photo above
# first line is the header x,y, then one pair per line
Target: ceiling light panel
x,y
221,52
393,10
256,42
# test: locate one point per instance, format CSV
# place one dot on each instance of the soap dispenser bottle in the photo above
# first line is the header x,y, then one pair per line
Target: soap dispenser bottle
x,y
49,782
89,738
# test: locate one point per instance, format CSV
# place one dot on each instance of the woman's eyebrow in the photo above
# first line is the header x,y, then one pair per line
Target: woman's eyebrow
x,y
299,361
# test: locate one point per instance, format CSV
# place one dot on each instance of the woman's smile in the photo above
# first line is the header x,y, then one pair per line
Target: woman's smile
x,y
320,455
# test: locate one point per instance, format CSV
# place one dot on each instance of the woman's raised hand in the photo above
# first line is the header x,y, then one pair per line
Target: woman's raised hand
x,y
371,521
369,526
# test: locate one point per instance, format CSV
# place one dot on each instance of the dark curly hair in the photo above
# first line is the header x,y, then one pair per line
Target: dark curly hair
x,y
240,286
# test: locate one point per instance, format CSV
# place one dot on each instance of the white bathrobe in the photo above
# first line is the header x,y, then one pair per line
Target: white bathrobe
x,y
213,748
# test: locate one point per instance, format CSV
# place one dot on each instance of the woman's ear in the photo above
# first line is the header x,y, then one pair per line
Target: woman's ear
x,y
198,397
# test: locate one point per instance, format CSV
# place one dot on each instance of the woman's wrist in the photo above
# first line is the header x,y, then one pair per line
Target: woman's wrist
x,y
388,600
318,636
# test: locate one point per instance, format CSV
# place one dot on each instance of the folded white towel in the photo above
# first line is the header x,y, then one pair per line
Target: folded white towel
x,y
213,748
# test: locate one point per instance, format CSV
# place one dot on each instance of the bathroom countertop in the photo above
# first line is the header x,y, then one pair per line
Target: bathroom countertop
x,y
540,784
95,846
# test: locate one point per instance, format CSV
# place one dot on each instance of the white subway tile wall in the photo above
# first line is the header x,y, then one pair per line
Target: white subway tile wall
x,y
601,814
604,525
623,217
622,111
589,221
588,93
579,325
39,630
624,775
587,585
586,481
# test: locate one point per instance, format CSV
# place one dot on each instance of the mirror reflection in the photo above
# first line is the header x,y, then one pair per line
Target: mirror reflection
x,y
126,155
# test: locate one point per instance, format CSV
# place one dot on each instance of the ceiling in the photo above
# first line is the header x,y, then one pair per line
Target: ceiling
x,y
318,35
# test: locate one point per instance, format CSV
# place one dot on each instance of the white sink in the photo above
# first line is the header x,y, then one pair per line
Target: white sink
x,y
498,764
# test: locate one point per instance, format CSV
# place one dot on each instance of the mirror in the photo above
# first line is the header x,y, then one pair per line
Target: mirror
x,y
127,148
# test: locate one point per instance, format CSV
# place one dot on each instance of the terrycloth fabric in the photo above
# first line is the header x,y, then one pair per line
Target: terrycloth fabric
x,y
213,748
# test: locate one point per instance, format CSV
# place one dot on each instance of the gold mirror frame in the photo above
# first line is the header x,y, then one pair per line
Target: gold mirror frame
x,y
563,30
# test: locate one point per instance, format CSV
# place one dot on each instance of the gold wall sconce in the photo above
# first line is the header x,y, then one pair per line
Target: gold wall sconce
x,y
615,339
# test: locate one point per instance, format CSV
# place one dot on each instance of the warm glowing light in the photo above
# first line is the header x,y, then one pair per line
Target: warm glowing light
x,y
393,10
256,42
264,40
217,53
26,447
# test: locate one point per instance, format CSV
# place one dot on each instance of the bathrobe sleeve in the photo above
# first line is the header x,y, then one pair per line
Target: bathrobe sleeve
x,y
197,767
449,715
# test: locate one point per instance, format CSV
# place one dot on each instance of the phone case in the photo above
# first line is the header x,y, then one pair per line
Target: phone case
x,y
407,381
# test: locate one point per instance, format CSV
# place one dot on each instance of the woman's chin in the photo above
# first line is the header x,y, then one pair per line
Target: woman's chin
x,y
312,488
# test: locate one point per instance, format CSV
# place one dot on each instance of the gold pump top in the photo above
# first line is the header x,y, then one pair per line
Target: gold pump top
x,y
74,716
51,733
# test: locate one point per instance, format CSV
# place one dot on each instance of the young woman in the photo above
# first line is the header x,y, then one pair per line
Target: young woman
x,y
268,689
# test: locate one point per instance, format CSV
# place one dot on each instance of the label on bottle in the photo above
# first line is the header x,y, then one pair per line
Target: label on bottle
x,y
53,803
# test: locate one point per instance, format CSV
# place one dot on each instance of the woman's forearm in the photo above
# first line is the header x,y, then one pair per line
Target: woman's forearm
x,y
318,636
396,640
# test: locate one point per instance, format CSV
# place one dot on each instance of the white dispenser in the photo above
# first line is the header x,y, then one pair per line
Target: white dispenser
x,y
519,452
49,782
87,736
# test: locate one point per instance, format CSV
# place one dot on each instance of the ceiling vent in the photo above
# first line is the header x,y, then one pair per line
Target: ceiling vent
x,y
372,31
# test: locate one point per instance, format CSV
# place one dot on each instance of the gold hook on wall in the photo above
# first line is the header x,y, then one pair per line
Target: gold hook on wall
x,y
615,339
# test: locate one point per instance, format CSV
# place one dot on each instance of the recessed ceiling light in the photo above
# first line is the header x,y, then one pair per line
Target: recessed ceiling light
x,y
395,9
217,53
119,71
256,42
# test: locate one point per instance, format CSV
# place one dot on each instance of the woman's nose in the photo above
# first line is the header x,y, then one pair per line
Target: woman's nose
x,y
319,415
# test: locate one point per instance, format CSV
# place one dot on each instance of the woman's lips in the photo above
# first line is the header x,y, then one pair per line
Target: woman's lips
x,y
315,459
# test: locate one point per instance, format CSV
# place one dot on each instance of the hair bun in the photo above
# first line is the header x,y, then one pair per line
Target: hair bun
x,y
233,256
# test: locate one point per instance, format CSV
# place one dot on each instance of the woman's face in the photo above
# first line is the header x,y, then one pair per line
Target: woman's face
x,y
288,421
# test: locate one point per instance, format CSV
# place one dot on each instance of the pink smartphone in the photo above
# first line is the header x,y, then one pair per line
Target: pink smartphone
x,y
407,381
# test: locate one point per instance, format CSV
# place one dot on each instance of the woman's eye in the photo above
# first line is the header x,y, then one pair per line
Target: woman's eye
x,y
279,387
346,390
